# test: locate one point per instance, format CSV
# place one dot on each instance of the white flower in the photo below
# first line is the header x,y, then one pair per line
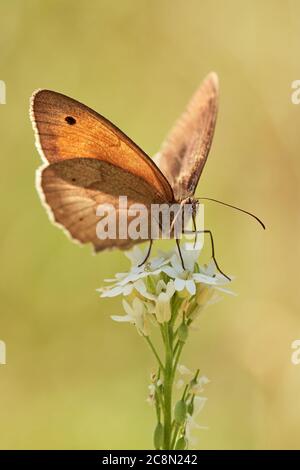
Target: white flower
x,y
152,389
125,283
204,294
199,403
198,387
183,278
183,370
136,314
159,287
163,301
136,256
191,423
179,384
151,397
156,282
118,289
159,300
210,275
187,278
163,309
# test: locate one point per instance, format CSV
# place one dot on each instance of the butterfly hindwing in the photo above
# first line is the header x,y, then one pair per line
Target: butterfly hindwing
x,y
73,189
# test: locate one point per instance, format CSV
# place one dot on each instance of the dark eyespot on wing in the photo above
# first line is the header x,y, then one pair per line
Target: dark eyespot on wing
x,y
70,120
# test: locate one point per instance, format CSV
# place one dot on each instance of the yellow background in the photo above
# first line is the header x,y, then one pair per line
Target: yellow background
x,y
74,378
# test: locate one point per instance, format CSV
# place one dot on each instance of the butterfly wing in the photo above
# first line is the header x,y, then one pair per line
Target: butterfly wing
x,y
65,129
73,189
88,161
184,153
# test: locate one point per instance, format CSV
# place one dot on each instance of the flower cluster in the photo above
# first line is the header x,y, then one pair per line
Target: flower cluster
x,y
165,294
150,290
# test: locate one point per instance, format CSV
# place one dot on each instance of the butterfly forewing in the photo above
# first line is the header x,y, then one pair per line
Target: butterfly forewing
x,y
67,129
89,161
184,153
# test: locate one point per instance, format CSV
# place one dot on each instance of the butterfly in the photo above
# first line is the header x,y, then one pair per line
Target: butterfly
x,y
89,161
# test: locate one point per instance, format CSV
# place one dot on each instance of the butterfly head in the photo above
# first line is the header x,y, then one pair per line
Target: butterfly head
x,y
193,203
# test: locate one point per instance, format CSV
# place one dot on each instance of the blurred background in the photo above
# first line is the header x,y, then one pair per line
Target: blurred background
x,y
74,379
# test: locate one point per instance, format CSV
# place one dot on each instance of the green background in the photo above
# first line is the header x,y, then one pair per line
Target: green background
x,y
74,378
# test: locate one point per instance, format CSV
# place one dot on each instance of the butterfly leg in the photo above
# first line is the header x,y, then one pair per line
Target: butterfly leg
x,y
212,248
213,252
147,255
195,228
179,251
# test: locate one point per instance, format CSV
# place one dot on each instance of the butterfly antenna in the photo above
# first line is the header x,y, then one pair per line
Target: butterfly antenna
x,y
237,208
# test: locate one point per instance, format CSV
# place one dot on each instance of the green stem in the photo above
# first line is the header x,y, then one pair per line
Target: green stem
x,y
154,351
177,354
178,427
163,396
168,386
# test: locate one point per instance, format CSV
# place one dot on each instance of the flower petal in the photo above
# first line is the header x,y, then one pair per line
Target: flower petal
x,y
179,284
170,290
177,264
171,272
122,318
113,292
190,285
179,384
183,370
163,308
127,308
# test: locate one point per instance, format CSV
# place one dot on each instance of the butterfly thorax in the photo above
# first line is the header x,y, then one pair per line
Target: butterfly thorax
x,y
192,202
186,209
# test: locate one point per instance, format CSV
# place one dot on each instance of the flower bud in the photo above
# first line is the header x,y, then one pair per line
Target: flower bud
x,y
153,377
180,444
203,295
163,308
184,293
183,332
158,436
150,284
190,408
180,412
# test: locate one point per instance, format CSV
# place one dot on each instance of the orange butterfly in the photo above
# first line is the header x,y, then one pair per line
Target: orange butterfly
x,y
88,161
